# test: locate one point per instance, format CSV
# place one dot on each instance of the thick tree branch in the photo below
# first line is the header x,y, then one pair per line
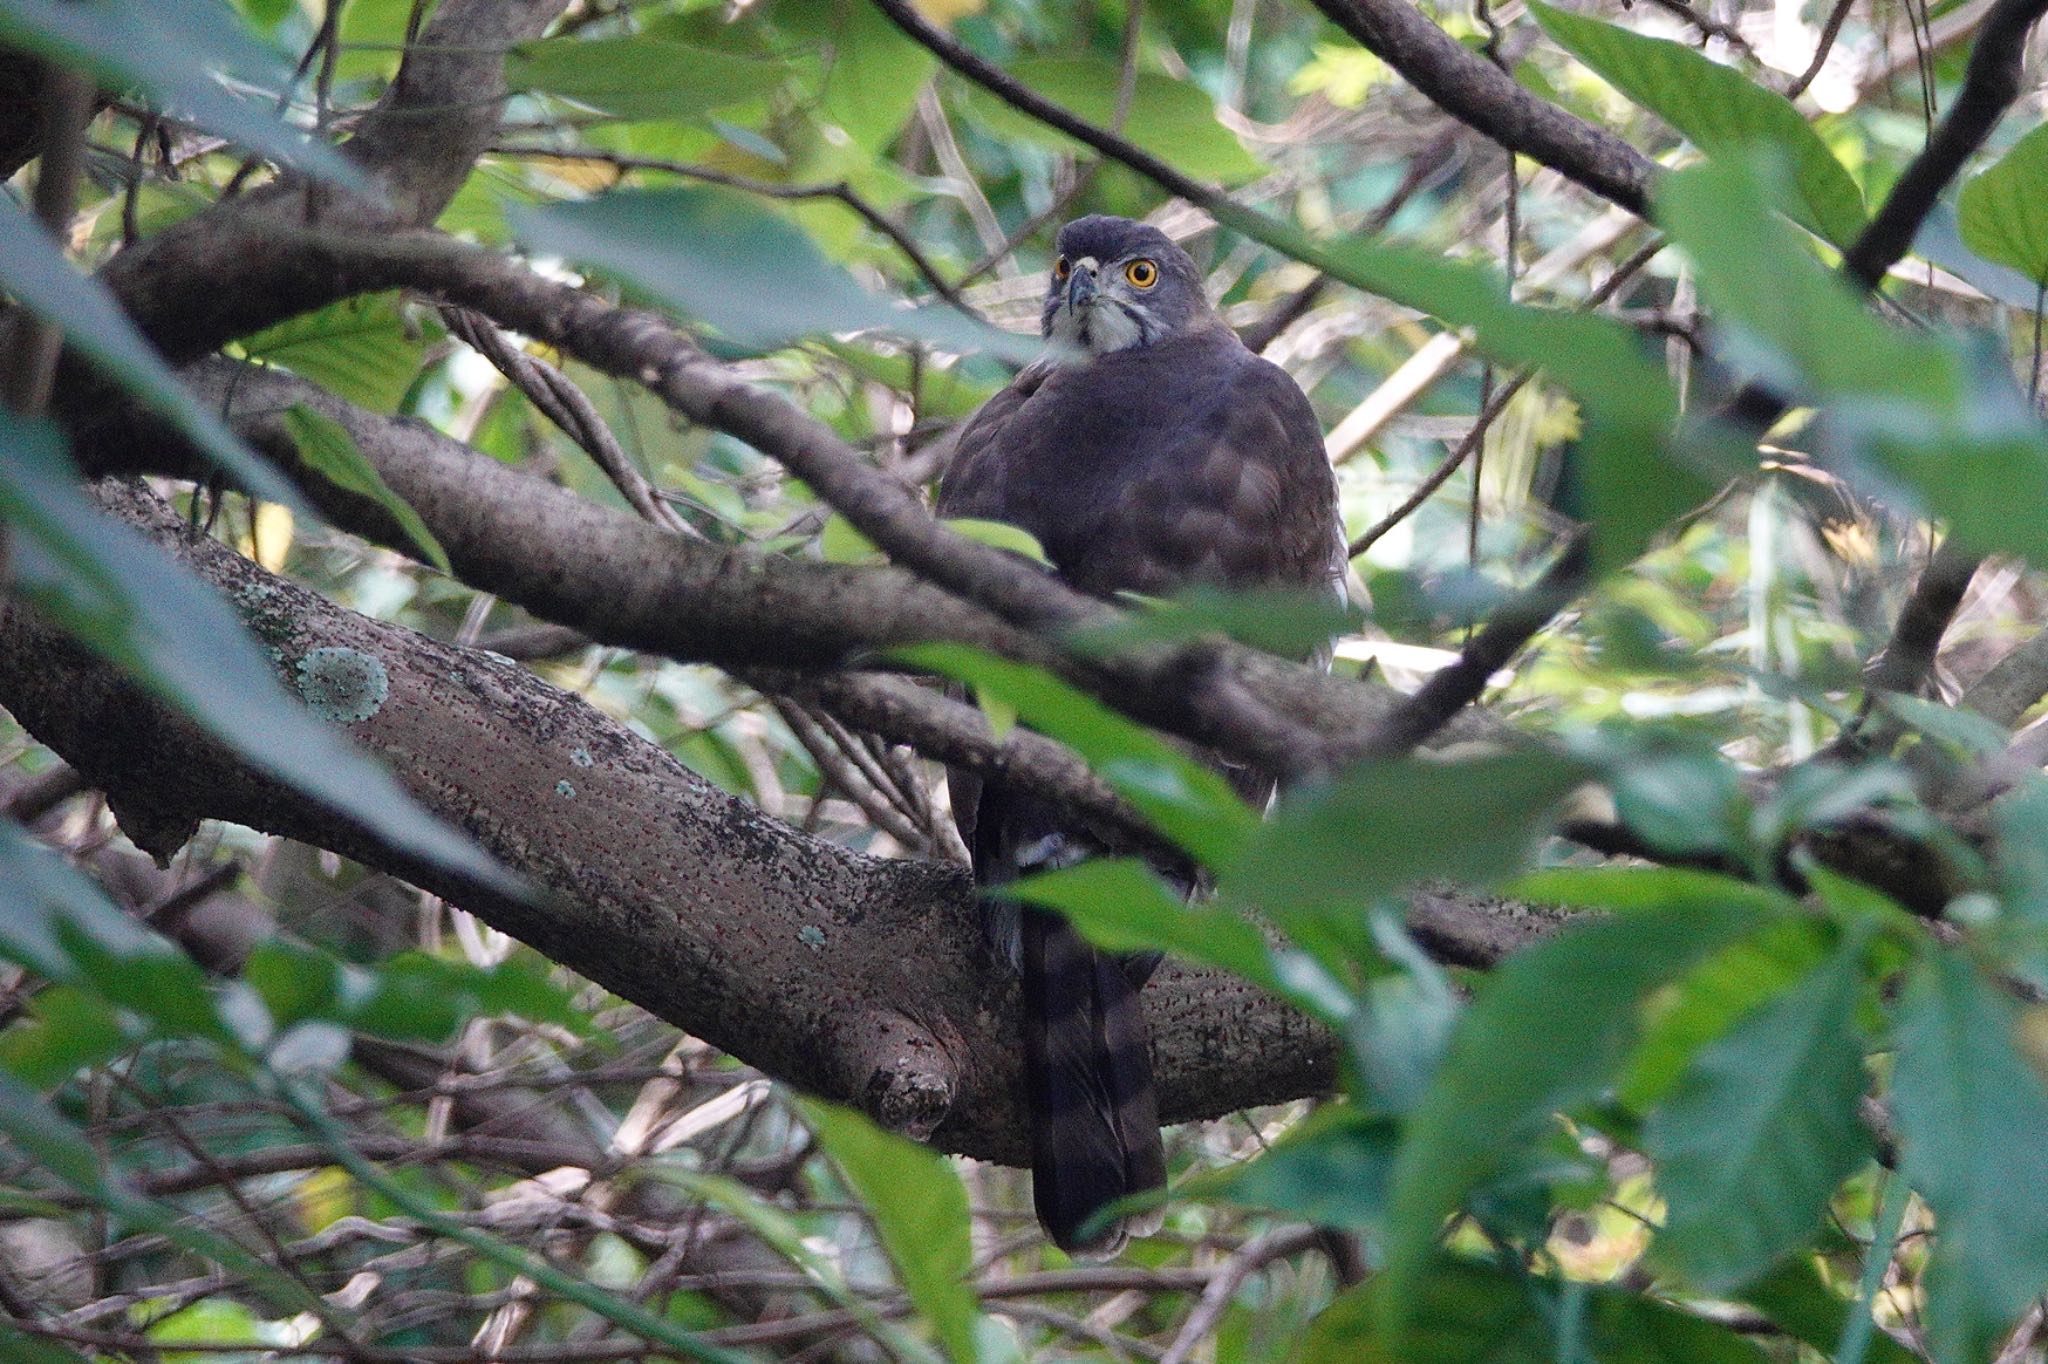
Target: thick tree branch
x,y
1474,91
417,145
851,977
1238,700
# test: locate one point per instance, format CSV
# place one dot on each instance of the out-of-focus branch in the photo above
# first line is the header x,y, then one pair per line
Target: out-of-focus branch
x,y
1479,94
1990,85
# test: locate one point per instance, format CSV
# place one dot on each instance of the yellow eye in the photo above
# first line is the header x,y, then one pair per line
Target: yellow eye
x,y
1060,268
1142,273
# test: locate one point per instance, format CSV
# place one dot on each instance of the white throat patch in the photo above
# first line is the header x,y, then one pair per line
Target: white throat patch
x,y
1099,327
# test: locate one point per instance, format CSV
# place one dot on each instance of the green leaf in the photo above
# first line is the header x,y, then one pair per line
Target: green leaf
x,y
1725,988
23,1348
121,597
841,542
641,77
920,1211
360,349
1187,802
875,71
67,1029
1283,621
1971,1112
175,51
721,258
1547,1032
1383,826
1120,905
1642,468
1929,418
1462,1312
36,273
51,906
1719,110
330,451
998,535
1798,323
1764,1126
1331,1168
2003,213
1173,119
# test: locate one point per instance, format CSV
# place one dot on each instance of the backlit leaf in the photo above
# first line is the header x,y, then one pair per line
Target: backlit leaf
x,y
721,258
1717,107
638,76
330,451
920,1212
2003,213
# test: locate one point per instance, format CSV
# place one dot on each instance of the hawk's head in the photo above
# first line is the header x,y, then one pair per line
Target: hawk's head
x,y
1118,284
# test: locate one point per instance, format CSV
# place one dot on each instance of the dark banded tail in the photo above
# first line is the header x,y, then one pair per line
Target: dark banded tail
x,y
1094,1113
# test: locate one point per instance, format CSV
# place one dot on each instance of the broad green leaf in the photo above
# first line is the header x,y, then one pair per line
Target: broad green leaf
x,y
640,76
1287,622
51,907
876,71
362,350
1187,802
124,599
998,535
1462,1312
1780,310
1173,119
1940,242
66,1030
1931,419
1120,905
1676,793
841,542
1627,890
35,272
1383,826
1761,1130
2003,213
1971,1112
721,258
1725,988
920,1212
1717,107
175,52
22,1348
1331,1168
1643,468
411,997
1547,1032
330,451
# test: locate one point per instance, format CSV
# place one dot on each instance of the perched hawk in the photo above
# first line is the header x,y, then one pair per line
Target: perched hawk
x,y
1149,450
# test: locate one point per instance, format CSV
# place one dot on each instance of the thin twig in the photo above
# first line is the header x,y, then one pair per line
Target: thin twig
x,y
1828,33
1451,689
1491,412
567,406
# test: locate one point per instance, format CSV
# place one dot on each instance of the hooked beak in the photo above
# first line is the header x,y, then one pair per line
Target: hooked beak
x,y
1080,288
